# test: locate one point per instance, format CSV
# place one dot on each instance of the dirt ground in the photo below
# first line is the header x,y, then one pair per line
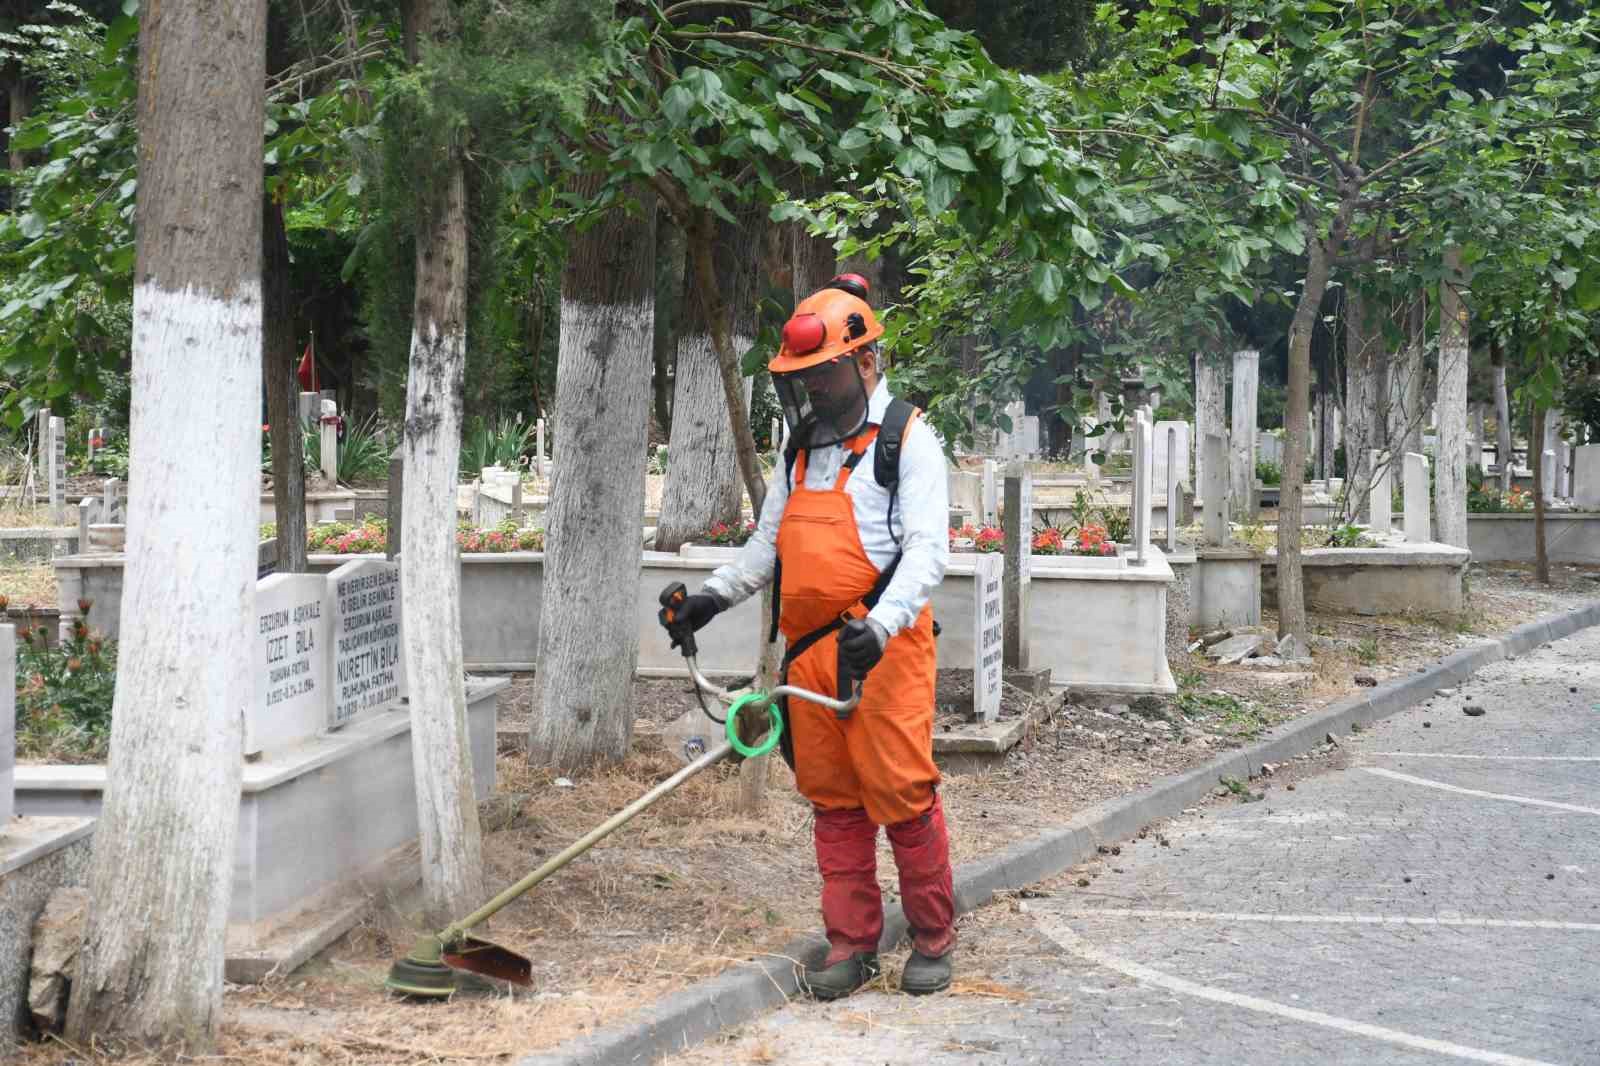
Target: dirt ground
x,y
694,886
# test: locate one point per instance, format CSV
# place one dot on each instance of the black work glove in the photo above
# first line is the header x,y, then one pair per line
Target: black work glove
x,y
861,643
692,614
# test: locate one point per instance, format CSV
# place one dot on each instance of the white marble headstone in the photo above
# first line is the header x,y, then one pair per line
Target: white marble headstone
x,y
1418,508
58,470
291,662
988,638
8,724
1586,476
368,659
991,493
1184,452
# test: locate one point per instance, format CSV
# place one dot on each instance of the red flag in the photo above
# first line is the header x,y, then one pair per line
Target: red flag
x,y
307,371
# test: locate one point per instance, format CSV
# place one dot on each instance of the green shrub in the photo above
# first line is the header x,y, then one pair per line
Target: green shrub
x,y
1268,472
64,694
503,443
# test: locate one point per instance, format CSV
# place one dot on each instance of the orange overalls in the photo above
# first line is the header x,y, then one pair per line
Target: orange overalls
x,y
875,767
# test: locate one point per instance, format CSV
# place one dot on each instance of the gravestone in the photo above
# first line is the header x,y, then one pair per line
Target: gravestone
x,y
397,485
1380,515
1210,396
86,511
110,500
1174,445
991,489
58,470
1143,484
42,455
989,635
291,664
330,442
966,494
310,406
1547,476
1169,457
1019,562
368,661
1214,449
1586,477
1563,469
1336,488
1419,513
538,454
8,724
1242,442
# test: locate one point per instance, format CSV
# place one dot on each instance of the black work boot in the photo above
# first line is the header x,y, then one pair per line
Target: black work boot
x,y
842,978
924,976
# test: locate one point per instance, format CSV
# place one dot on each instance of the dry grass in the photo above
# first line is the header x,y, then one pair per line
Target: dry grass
x,y
28,584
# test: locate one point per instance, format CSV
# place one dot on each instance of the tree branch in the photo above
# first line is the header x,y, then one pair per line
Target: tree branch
x,y
902,74
1403,156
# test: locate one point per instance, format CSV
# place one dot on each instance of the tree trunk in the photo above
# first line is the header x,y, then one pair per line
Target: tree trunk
x,y
672,306
20,107
278,364
1505,450
815,263
589,638
150,970
1359,404
430,571
714,306
702,486
1541,553
1291,591
1408,404
1450,481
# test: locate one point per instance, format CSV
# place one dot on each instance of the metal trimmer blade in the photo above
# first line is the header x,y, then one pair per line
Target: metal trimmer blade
x,y
488,959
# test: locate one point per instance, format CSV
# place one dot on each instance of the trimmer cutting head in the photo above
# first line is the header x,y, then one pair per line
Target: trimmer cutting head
x,y
429,970
422,974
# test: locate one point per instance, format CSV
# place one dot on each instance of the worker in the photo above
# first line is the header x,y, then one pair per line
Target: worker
x,y
854,535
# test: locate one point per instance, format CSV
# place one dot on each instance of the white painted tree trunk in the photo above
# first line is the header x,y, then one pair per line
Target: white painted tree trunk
x,y
1504,448
702,485
1361,414
1450,480
589,636
150,970
430,575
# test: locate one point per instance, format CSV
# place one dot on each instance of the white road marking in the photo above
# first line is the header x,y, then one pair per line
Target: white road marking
x,y
1076,945
1458,790
1491,758
1333,919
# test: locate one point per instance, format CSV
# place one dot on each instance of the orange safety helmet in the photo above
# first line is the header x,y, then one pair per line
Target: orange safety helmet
x,y
833,322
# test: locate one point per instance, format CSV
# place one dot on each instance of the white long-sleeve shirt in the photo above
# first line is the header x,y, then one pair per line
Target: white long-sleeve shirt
x,y
921,521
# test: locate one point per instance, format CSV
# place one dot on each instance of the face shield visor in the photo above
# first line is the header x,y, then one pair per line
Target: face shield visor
x,y
824,404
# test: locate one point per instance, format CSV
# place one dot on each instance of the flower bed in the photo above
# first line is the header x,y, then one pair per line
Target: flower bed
x,y
1089,539
64,693
724,535
371,537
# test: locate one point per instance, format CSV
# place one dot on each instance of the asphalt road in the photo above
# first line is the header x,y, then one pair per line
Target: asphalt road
x,y
1429,893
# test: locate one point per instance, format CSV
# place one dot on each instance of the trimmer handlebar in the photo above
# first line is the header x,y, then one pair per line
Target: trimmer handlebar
x,y
835,705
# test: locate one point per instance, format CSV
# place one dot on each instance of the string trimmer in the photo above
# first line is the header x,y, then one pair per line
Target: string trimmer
x,y
428,971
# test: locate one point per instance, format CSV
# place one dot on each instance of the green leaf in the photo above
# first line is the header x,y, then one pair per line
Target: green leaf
x,y
676,103
1586,293
119,33
942,191
1085,240
854,140
1047,281
31,225
956,158
130,7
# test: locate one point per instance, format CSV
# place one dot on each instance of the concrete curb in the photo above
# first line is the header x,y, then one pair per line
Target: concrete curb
x,y
697,1013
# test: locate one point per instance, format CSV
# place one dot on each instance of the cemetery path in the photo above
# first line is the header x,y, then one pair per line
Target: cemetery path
x,y
1429,892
